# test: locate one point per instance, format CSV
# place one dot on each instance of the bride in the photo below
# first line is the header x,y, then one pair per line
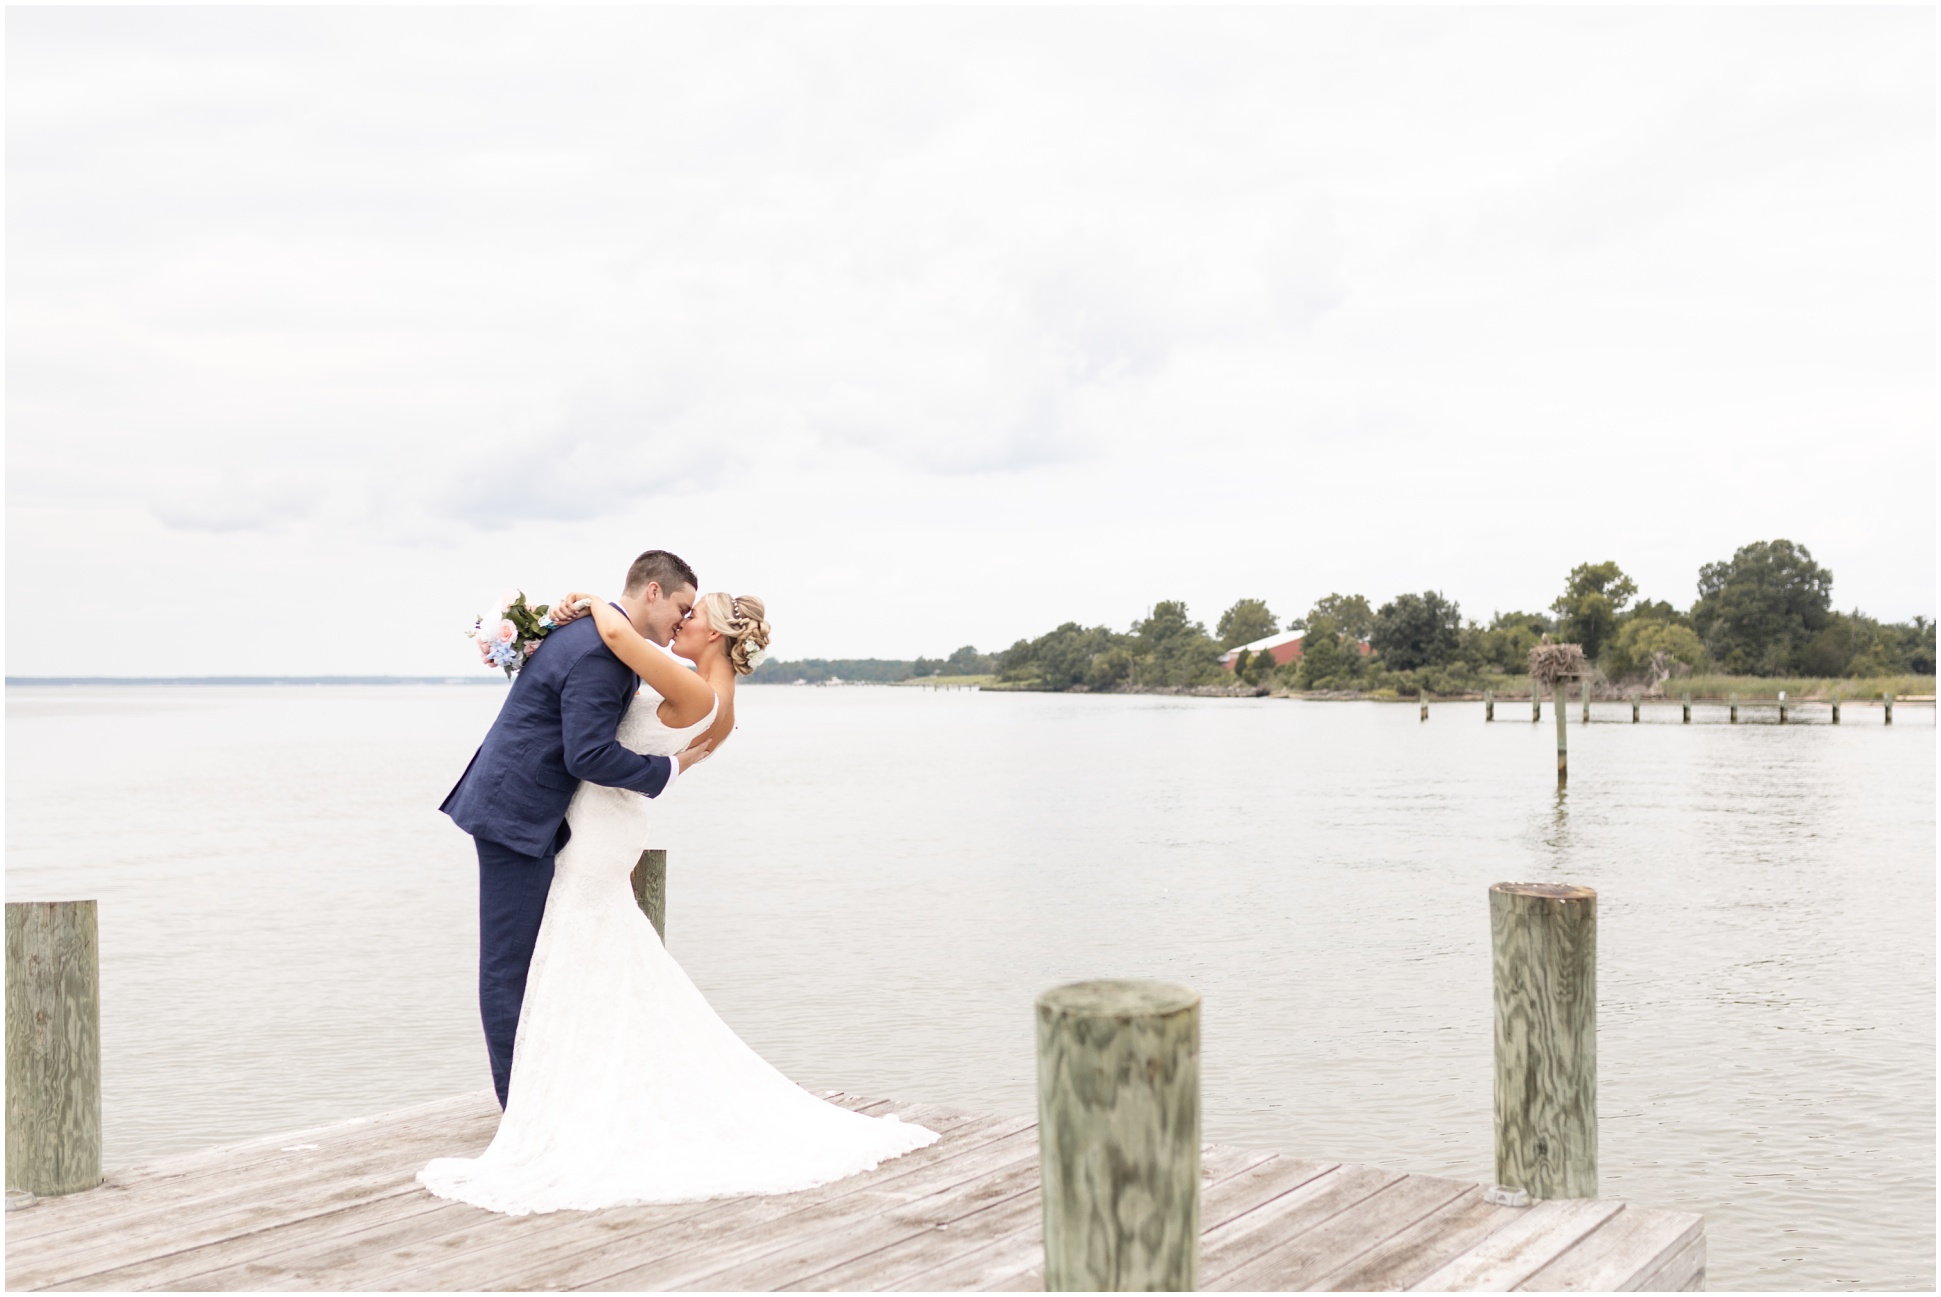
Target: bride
x,y
626,1088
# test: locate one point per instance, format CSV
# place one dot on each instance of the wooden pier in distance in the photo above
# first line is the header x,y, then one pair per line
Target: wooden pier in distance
x,y
338,1208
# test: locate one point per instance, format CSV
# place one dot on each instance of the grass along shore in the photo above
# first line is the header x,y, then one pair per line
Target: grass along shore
x,y
1801,688
1507,687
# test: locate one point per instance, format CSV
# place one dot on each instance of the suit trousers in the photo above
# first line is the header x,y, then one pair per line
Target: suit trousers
x,y
512,903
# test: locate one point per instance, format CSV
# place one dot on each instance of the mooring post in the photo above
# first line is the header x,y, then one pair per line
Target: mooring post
x,y
1563,761
1836,711
1119,1136
1489,704
53,1047
1688,708
1732,707
1422,692
1887,703
1543,948
1782,706
1635,704
1536,701
650,888
1587,699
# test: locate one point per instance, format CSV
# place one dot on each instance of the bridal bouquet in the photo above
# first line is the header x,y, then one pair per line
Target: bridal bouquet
x,y
509,641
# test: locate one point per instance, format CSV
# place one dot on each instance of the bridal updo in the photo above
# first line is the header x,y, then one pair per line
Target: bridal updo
x,y
742,621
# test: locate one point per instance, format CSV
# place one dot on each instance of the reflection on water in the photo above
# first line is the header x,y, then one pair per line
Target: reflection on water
x,y
872,885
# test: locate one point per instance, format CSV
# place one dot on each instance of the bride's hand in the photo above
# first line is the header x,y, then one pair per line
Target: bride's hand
x,y
694,752
567,609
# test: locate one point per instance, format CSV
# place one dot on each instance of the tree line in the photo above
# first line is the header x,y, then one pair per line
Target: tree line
x,y
966,661
1766,611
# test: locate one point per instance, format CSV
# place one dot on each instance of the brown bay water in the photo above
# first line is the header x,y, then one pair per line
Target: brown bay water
x,y
873,884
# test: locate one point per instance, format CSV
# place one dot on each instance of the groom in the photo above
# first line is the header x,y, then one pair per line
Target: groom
x,y
555,729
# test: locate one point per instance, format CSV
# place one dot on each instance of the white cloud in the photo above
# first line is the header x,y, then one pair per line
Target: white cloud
x,y
947,326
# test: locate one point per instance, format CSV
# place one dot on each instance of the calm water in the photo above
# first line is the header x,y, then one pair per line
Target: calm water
x,y
872,885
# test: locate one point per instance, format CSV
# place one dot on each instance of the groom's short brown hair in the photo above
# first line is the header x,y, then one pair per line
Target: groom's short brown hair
x,y
664,569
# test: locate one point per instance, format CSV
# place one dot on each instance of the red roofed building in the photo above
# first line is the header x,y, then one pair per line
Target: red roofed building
x,y
1283,648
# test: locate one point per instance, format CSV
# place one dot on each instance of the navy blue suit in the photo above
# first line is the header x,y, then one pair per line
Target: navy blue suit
x,y
555,729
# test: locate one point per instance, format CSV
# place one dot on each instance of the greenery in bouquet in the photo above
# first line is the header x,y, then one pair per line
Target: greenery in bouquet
x,y
509,640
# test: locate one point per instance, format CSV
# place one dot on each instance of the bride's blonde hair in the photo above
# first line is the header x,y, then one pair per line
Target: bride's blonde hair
x,y
742,621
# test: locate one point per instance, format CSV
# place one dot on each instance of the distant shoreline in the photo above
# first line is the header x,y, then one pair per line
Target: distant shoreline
x,y
36,682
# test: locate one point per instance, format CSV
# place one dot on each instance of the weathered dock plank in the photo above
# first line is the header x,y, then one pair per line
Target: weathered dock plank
x,y
1516,1252
1226,1248
1407,1257
1299,1261
337,1208
395,1247
376,1243
576,1249
1627,1249
300,1157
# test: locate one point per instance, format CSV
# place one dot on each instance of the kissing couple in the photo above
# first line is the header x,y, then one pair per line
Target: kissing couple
x,y
619,1083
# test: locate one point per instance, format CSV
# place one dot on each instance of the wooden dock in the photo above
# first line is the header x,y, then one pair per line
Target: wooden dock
x,y
337,1208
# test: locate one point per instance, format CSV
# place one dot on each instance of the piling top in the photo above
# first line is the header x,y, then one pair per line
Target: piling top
x,y
1549,891
1117,999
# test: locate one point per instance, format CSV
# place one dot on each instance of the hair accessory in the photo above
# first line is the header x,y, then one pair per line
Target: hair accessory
x,y
734,610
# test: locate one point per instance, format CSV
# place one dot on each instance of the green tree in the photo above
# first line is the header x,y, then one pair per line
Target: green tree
x,y
1917,645
1504,645
816,670
1854,644
1349,612
1658,610
1057,659
1173,649
966,661
1592,602
1253,668
1110,669
1417,630
1245,622
1649,648
1329,659
1757,611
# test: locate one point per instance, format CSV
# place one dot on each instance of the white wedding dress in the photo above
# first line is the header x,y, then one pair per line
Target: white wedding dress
x,y
626,1088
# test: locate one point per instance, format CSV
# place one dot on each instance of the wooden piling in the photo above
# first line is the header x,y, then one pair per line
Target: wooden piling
x,y
650,888
1536,701
1587,699
1489,704
1119,1136
1688,709
1422,692
1563,760
1732,707
1636,704
1782,706
1836,711
53,1047
1887,704
1543,946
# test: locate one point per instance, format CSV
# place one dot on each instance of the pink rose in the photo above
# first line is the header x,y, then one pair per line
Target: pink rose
x,y
508,599
507,632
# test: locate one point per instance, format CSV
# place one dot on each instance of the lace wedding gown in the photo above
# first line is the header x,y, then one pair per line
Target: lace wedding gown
x,y
626,1088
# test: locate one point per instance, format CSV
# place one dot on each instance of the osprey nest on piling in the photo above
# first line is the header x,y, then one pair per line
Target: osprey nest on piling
x,y
1550,663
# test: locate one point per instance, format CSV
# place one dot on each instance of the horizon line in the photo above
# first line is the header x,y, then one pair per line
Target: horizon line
x,y
253,680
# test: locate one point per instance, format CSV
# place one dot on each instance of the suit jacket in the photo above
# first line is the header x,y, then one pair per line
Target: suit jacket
x,y
555,729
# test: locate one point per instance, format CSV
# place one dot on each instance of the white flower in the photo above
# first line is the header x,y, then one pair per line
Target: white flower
x,y
507,600
756,657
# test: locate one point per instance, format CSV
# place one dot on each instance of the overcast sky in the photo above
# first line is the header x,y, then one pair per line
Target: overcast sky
x,y
933,328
